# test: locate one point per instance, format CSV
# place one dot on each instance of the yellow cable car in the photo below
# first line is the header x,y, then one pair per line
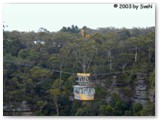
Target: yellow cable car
x,y
83,91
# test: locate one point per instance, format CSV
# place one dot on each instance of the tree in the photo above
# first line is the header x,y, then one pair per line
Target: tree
x,y
72,29
150,44
41,104
108,110
136,43
123,34
55,92
123,60
86,52
13,43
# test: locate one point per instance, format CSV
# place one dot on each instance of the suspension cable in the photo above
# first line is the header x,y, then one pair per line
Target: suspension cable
x,y
98,74
27,65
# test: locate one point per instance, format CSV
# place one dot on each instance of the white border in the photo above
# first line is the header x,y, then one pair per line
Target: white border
x,y
157,2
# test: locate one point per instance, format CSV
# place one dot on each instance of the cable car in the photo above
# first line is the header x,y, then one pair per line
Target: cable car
x,y
84,89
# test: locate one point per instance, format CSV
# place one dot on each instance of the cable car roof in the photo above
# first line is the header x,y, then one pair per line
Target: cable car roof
x,y
83,74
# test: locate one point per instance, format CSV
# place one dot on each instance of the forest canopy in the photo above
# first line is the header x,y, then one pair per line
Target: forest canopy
x,y
39,71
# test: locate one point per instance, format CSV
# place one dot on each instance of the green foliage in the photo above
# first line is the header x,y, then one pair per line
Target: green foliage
x,y
148,110
136,108
119,106
80,112
124,34
108,110
100,92
30,69
72,29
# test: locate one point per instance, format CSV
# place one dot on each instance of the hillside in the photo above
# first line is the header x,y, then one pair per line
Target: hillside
x,y
39,71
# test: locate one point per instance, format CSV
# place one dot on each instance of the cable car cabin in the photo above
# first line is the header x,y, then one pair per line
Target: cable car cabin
x,y
83,92
83,79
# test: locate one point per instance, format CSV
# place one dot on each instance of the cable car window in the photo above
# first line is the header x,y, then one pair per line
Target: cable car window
x,y
81,91
76,90
85,91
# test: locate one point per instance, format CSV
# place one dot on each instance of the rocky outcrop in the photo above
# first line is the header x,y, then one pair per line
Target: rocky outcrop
x,y
17,109
112,89
26,111
140,90
136,92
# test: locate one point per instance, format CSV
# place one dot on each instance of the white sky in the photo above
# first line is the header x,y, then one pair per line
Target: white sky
x,y
28,17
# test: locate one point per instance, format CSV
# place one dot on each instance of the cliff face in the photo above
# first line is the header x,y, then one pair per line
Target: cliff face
x,y
140,90
136,92
20,109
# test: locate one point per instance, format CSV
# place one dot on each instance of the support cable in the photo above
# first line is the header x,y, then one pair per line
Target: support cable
x,y
98,74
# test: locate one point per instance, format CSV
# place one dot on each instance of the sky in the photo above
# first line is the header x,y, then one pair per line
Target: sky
x,y
30,17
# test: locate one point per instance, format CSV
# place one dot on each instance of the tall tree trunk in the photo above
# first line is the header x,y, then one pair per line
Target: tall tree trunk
x,y
124,67
57,109
60,76
149,55
84,68
136,55
110,59
89,63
